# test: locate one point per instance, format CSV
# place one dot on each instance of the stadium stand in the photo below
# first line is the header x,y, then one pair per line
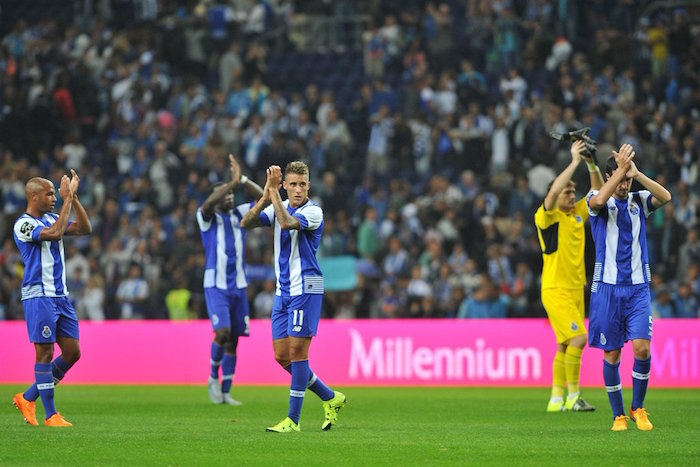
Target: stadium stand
x,y
426,125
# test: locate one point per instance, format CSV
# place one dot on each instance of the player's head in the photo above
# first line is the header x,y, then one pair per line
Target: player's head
x,y
226,203
297,183
623,188
41,194
566,201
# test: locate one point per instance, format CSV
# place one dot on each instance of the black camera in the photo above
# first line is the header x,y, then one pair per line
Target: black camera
x,y
579,135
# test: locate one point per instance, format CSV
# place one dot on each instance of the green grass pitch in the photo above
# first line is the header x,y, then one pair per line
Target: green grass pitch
x,y
177,425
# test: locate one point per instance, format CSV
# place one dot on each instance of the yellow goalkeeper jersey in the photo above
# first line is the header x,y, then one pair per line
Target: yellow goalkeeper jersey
x,y
563,242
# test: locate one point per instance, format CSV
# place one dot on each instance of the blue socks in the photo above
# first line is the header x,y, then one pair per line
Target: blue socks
x,y
217,354
300,377
228,368
611,375
45,386
319,388
315,384
59,368
640,381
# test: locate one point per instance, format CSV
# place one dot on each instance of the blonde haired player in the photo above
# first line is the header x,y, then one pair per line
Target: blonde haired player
x,y
560,222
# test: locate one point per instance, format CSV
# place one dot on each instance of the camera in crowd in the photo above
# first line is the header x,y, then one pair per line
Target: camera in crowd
x,y
579,135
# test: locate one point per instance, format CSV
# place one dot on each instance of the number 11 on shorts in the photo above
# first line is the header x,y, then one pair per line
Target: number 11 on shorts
x,y
298,320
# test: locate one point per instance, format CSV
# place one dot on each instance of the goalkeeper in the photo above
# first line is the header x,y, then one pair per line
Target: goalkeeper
x,y
560,224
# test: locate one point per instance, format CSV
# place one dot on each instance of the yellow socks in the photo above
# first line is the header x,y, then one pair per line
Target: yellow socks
x,y
572,365
559,375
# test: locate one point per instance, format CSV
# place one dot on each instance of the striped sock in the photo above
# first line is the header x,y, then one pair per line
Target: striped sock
x,y
59,368
300,377
315,385
217,354
45,385
640,381
228,368
613,384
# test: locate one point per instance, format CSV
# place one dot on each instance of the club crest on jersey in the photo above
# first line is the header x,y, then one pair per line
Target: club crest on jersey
x,y
603,340
574,326
613,208
579,219
634,210
46,332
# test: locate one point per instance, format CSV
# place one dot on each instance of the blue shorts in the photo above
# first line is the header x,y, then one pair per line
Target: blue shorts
x,y
229,309
619,313
296,316
50,317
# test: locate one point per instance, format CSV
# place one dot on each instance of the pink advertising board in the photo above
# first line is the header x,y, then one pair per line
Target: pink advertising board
x,y
507,352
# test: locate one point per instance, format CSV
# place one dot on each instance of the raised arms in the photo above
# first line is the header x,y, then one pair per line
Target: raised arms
x,y
660,194
562,180
220,192
82,225
286,220
252,217
58,229
624,163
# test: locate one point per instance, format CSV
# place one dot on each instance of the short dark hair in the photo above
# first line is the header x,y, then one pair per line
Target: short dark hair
x,y
549,187
610,165
215,186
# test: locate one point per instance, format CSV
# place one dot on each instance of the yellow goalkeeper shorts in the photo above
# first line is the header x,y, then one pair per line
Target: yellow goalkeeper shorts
x,y
565,310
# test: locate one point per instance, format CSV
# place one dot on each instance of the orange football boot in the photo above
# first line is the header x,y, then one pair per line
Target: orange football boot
x,y
57,420
28,408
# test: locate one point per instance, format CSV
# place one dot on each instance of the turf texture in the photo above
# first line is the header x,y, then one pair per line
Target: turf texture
x,y
177,425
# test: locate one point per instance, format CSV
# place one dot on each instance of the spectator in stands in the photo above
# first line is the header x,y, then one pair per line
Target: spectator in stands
x,y
686,303
264,300
92,303
132,294
662,305
485,302
368,236
177,300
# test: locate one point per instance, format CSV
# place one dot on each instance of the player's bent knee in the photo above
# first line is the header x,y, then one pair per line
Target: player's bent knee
x,y
222,335
579,341
72,357
283,361
642,351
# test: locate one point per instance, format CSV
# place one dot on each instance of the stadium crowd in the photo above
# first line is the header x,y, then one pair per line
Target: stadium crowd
x,y
429,170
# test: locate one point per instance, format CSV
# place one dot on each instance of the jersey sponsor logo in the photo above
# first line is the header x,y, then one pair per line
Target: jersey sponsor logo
x,y
603,340
613,208
27,228
46,332
574,326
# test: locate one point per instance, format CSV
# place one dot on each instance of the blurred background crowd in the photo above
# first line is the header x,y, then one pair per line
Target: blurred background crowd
x,y
425,124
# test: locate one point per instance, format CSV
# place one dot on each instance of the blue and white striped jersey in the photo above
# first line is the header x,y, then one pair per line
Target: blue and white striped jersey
x,y
296,266
620,235
44,261
224,248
